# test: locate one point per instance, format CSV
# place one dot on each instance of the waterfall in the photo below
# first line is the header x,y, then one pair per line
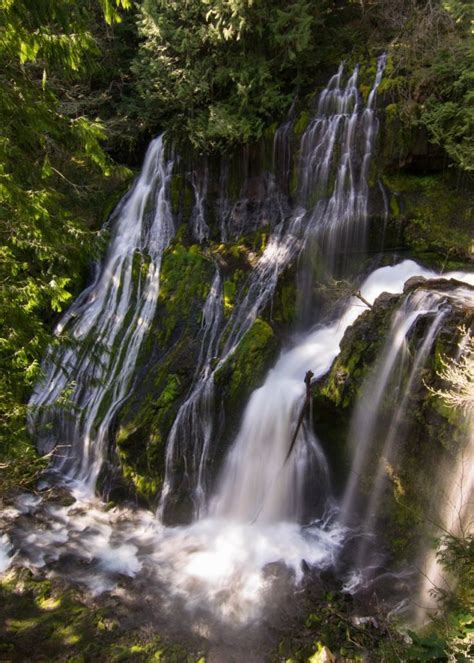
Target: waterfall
x,y
340,122
340,141
256,483
193,428
455,517
335,157
391,385
198,223
88,375
221,569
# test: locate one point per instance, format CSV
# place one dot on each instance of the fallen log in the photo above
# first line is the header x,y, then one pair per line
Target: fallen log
x,y
358,294
307,401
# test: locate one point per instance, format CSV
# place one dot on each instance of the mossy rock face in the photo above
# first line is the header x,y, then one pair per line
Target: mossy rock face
x,y
437,217
169,357
185,279
165,369
359,349
433,435
430,204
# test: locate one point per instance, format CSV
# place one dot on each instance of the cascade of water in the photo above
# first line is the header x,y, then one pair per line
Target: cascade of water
x,y
109,320
335,156
256,482
222,205
221,567
194,425
456,497
336,124
198,223
282,152
393,375
105,326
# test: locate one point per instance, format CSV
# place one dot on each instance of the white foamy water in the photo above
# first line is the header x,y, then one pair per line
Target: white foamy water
x,y
6,550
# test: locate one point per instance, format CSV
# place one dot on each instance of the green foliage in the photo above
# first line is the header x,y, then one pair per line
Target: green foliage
x,y
44,621
46,156
449,636
330,633
432,73
221,70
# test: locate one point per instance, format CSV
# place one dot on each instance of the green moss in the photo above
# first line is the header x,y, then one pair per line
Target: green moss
x,y
269,132
391,110
140,442
359,348
365,91
176,186
284,301
437,217
181,196
147,417
301,123
247,367
229,296
184,285
250,359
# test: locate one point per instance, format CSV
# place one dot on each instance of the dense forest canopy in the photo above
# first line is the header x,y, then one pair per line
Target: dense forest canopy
x,y
220,72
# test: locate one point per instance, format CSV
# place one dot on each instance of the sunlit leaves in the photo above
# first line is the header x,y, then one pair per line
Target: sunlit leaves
x,y
47,157
221,70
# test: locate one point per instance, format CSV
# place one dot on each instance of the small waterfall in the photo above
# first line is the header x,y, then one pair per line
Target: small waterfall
x,y
391,385
456,517
200,229
195,420
339,216
256,483
335,156
282,152
87,377
223,208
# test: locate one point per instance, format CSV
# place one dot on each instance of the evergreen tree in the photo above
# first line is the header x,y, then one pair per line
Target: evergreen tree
x,y
47,157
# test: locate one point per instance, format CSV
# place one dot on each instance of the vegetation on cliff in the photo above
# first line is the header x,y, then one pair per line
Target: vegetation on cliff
x,y
53,173
83,86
